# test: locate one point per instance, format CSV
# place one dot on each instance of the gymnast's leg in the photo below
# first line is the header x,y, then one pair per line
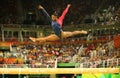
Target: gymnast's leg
x,y
69,34
51,37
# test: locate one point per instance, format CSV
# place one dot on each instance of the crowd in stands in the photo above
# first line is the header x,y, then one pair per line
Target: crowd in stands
x,y
100,56
80,10
48,55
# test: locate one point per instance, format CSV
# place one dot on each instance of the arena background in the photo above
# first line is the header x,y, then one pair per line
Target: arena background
x,y
100,48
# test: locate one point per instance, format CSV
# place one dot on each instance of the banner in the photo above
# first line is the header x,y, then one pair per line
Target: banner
x,y
116,41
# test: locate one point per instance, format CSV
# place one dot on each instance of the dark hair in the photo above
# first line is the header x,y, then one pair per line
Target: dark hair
x,y
55,14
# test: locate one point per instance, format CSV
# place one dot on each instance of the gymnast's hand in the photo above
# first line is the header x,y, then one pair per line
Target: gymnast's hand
x,y
40,7
68,5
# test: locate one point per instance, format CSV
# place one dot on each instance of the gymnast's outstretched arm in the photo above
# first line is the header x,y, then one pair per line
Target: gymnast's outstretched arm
x,y
45,12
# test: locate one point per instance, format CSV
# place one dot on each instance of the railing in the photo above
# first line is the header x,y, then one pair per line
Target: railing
x,y
27,66
113,63
20,29
37,65
66,27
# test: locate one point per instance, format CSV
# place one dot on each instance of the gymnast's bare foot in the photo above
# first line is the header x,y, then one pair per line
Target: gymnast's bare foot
x,y
84,32
33,39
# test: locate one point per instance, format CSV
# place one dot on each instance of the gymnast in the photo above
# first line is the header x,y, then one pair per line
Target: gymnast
x,y
56,23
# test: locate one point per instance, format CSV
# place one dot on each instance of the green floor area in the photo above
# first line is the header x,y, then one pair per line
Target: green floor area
x,y
101,75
